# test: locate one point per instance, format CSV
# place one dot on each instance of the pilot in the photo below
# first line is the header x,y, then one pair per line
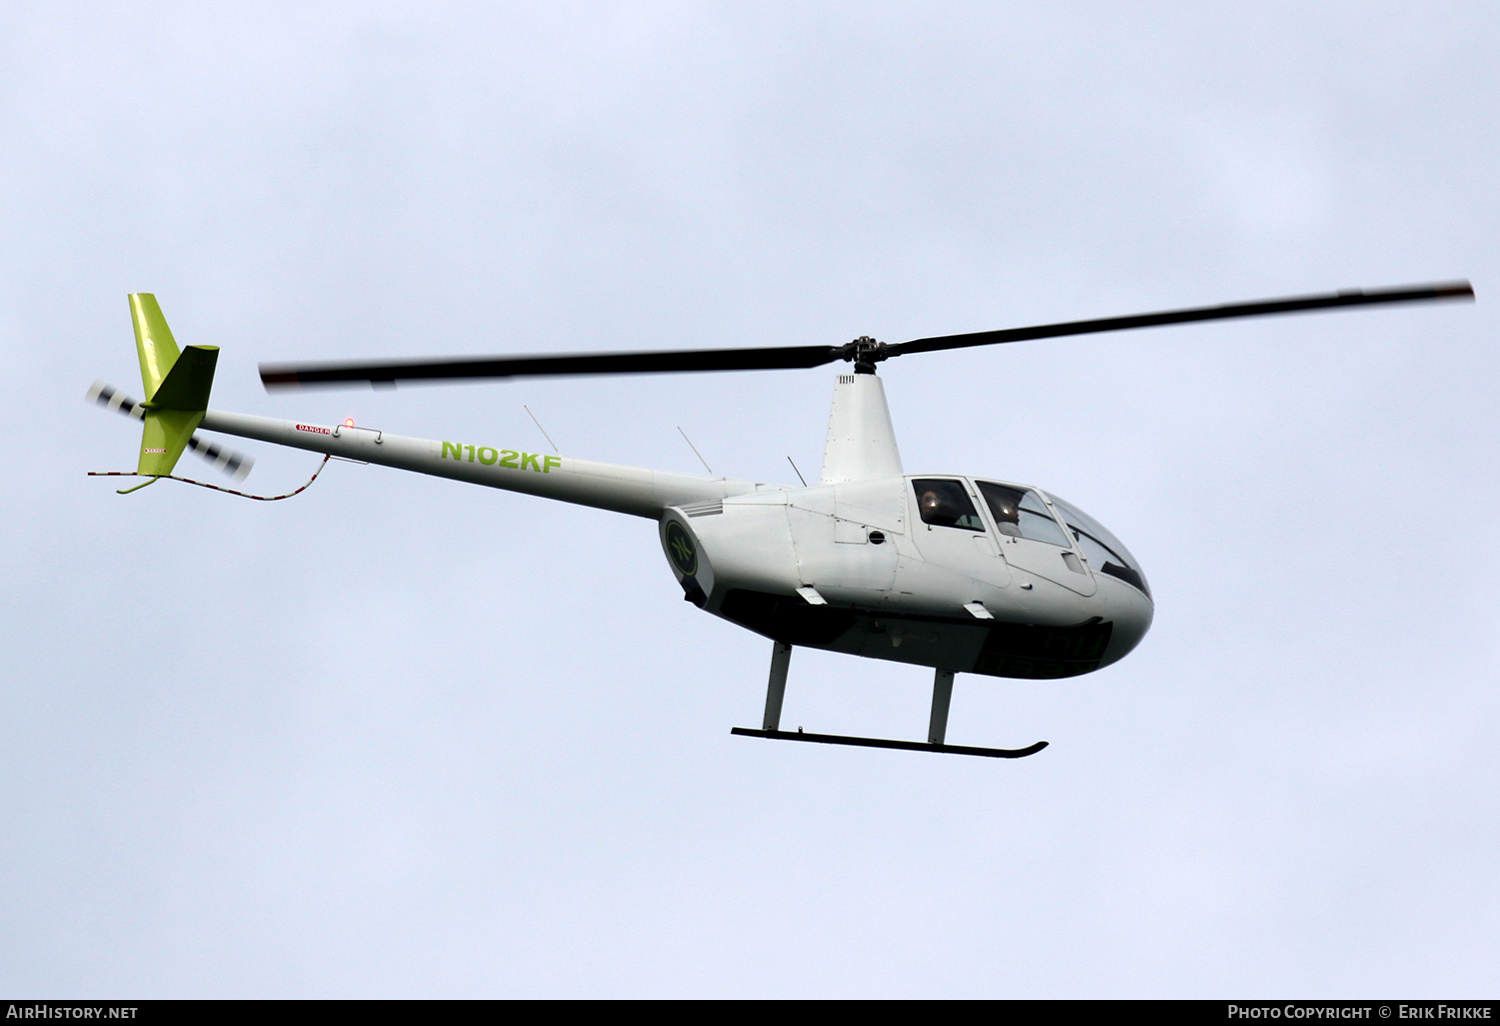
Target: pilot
x,y
1007,515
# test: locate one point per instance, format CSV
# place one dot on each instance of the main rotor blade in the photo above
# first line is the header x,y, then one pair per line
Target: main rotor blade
x,y
1257,308
288,375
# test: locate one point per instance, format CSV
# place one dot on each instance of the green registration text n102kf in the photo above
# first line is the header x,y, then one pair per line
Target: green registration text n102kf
x,y
505,457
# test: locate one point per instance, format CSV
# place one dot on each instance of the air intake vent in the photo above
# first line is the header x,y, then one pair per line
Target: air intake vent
x,y
846,379
703,509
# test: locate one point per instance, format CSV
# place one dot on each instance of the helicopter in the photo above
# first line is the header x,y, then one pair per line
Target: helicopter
x,y
951,572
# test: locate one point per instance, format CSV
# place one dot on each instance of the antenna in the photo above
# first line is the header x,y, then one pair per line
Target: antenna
x,y
696,453
799,473
541,429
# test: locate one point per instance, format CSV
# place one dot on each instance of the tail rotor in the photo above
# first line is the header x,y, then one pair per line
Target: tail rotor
x,y
236,464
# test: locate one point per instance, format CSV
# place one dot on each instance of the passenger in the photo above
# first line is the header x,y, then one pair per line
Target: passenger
x,y
936,511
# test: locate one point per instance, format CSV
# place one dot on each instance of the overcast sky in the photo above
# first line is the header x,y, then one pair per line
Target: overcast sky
x,y
406,737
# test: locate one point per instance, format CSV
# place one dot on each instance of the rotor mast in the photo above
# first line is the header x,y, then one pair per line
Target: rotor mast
x,y
861,441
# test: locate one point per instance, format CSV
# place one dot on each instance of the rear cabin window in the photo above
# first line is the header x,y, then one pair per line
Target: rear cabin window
x,y
946,504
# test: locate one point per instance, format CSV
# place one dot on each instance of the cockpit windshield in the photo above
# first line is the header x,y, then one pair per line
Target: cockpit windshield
x,y
1103,550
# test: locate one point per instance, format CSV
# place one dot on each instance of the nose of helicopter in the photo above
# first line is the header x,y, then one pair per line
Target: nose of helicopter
x,y
1124,597
1130,610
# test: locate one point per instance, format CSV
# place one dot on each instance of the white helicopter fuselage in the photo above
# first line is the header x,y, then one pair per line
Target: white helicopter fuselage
x,y
942,570
856,568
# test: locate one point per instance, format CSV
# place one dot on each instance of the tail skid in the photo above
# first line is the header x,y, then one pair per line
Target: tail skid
x,y
153,478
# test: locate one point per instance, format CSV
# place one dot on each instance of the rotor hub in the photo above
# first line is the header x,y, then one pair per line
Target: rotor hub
x,y
864,352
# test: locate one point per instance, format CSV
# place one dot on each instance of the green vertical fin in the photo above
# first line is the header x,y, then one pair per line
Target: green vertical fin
x,y
153,341
177,385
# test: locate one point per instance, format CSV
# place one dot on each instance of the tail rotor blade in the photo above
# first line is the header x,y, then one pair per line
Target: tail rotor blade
x,y
235,464
106,396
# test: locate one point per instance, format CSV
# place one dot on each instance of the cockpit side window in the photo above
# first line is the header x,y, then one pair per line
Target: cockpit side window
x,y
946,504
1022,514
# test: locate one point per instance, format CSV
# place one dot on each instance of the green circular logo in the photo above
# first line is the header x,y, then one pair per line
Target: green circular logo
x,y
680,548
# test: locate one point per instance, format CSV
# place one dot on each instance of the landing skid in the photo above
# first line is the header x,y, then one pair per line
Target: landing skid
x,y
880,742
937,728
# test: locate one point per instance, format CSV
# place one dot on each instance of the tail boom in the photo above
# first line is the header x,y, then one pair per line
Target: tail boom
x,y
634,490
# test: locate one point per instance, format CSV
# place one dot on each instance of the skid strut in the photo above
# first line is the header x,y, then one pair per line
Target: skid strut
x,y
781,658
937,726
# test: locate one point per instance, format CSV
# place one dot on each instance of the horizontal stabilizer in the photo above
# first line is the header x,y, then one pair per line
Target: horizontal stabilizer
x,y
188,383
